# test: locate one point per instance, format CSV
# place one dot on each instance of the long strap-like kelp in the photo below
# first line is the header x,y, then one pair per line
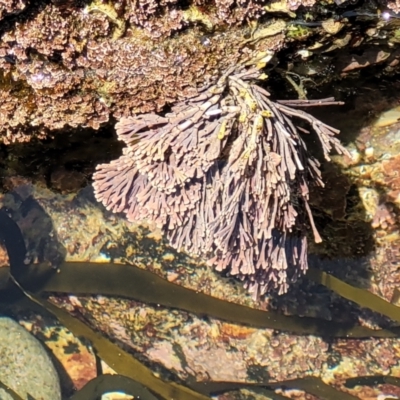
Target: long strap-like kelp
x,y
125,364
115,357
362,297
102,384
315,386
122,362
309,384
12,238
372,380
138,284
148,287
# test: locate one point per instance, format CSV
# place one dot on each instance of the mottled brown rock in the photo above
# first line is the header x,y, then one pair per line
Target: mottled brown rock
x,y
65,66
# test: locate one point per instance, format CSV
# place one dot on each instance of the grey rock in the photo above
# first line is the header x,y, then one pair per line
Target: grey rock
x,y
25,366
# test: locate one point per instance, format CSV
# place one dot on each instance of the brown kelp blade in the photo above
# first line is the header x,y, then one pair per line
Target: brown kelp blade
x,y
135,283
102,384
362,297
126,365
215,387
121,361
372,380
131,282
316,387
311,385
118,359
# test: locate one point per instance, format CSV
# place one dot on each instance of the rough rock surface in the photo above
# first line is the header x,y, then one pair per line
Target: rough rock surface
x,y
25,366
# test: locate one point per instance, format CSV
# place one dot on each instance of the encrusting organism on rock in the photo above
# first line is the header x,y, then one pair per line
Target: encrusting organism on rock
x,y
226,176
9,7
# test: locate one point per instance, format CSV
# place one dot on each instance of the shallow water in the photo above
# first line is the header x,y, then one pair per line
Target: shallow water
x,y
119,307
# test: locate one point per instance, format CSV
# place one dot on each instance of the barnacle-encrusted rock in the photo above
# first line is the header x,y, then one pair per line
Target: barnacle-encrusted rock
x,y
226,176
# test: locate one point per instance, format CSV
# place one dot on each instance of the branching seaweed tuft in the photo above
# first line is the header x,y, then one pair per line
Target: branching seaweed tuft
x,y
226,176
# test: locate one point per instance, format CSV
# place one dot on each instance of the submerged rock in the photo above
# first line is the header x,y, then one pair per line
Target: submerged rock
x,y
25,366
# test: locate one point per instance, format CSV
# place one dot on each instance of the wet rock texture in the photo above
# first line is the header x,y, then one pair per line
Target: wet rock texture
x,y
375,171
68,64
25,366
72,227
